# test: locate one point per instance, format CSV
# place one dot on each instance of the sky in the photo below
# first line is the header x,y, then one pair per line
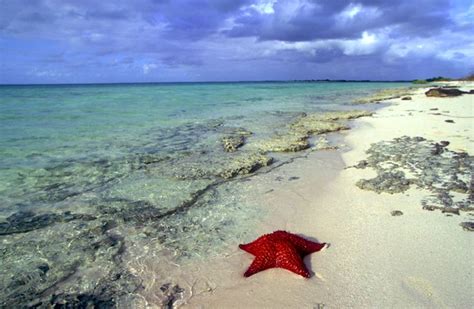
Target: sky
x,y
93,41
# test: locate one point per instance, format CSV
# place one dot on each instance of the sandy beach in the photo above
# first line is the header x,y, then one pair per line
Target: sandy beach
x,y
236,154
417,259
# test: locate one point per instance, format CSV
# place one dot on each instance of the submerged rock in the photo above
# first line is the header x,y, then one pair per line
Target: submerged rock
x,y
235,139
323,144
196,166
130,210
385,94
314,124
231,143
108,293
285,143
406,99
297,135
35,266
25,221
245,165
171,295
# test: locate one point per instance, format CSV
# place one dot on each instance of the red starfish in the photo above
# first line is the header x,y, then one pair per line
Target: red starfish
x,y
280,249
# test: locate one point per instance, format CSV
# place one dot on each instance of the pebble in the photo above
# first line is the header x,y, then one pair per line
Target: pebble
x,y
467,226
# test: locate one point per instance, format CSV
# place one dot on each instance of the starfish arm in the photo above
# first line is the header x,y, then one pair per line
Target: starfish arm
x,y
287,257
254,246
260,263
310,247
303,246
250,248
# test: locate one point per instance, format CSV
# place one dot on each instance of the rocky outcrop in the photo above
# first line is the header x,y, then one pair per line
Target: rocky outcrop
x,y
467,226
444,92
245,165
385,94
211,167
296,137
234,138
407,161
285,143
232,142
386,181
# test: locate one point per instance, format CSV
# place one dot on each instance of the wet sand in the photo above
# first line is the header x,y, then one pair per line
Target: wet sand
x,y
419,259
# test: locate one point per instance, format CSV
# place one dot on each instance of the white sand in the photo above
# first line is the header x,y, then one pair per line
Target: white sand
x,y
419,259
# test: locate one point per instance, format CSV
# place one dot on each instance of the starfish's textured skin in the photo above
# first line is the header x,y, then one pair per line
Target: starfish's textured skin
x,y
280,249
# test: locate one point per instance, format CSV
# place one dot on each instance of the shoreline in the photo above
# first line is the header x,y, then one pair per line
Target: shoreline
x,y
182,256
156,195
375,259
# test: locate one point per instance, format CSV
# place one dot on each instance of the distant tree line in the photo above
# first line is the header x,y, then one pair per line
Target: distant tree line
x,y
470,77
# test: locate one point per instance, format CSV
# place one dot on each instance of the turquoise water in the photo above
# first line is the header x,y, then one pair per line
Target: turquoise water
x,y
109,167
49,126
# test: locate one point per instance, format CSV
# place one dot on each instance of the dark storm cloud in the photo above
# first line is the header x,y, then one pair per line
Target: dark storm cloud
x,y
312,19
214,38
292,20
179,18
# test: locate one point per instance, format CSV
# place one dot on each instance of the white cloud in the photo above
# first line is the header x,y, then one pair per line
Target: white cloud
x,y
447,46
465,17
148,67
264,7
351,11
366,45
357,13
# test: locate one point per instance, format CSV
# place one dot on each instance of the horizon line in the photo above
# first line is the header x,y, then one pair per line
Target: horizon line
x,y
217,82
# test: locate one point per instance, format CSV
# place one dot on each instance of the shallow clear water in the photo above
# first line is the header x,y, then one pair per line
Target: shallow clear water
x,y
110,167
50,126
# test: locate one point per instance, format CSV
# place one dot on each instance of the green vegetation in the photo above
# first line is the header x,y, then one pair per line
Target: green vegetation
x,y
430,80
438,79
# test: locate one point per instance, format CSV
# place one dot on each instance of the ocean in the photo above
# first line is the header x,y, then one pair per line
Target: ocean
x,y
94,175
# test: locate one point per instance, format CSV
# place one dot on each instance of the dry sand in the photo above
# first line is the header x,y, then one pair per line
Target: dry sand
x,y
420,259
